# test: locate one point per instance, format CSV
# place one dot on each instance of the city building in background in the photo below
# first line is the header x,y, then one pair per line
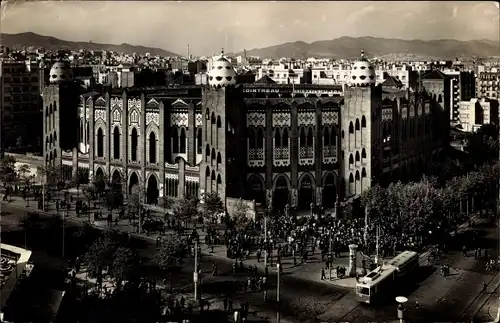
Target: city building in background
x,y
477,112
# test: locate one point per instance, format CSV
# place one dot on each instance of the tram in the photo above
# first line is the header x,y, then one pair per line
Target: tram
x,y
380,282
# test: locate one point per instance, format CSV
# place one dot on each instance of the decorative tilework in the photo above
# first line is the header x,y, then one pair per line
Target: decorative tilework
x,y
281,156
404,113
100,114
330,118
171,176
118,102
192,179
152,102
100,102
386,114
134,117
427,107
256,119
199,119
419,109
179,119
152,117
281,119
134,103
307,119
412,112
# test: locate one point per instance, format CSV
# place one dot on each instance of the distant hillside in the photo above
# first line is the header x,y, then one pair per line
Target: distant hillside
x,y
52,43
348,47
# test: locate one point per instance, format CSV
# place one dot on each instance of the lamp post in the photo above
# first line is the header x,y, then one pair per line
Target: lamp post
x,y
278,293
195,272
401,301
312,208
63,229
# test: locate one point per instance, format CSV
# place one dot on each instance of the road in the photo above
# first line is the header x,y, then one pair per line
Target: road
x,y
442,299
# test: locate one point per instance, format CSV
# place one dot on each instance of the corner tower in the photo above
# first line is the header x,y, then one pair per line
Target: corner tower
x,y
360,102
60,113
220,170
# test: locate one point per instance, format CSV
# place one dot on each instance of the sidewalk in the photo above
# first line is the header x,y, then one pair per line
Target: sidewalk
x,y
310,271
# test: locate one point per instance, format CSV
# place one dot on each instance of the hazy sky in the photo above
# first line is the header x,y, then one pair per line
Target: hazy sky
x,y
207,26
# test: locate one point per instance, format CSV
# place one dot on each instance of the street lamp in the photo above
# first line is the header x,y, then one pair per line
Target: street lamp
x,y
278,293
401,300
312,208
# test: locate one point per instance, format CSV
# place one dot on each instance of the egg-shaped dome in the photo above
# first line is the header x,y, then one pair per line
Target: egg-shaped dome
x,y
222,73
362,73
60,72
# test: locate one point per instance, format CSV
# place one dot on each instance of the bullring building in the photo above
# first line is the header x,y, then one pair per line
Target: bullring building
x,y
277,144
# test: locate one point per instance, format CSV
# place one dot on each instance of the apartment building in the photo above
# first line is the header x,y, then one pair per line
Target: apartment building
x,y
488,83
20,110
477,112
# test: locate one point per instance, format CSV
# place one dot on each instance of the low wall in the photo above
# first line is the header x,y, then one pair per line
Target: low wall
x,y
22,261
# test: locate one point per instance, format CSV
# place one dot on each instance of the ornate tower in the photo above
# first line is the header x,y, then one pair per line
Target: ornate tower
x,y
360,101
60,113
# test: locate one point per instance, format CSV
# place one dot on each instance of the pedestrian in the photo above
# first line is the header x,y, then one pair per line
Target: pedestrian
x,y
464,251
230,304
225,304
265,296
236,316
258,255
323,276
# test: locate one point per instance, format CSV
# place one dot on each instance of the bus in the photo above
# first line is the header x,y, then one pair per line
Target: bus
x,y
378,284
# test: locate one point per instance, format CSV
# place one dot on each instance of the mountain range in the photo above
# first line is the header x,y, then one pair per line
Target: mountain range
x,y
349,47
343,47
51,43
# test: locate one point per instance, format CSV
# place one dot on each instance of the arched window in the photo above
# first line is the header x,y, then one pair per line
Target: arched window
x,y
213,118
207,152
357,175
219,158
152,147
219,179
213,154
357,156
251,139
213,175
260,138
302,137
175,140
81,132
384,131
55,136
351,159
277,138
182,140
363,122
198,141
219,122
310,138
351,127
285,138
88,133
207,172
134,141
326,137
357,124
363,172
100,143
116,143
351,178
363,153
333,140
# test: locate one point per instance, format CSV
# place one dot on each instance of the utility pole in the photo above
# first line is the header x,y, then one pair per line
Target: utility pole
x,y
195,272
377,245
278,293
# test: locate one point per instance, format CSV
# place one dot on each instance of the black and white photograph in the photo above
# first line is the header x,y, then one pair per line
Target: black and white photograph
x,y
249,161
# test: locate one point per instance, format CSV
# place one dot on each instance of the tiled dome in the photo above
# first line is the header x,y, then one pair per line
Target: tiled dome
x,y
60,72
362,73
222,73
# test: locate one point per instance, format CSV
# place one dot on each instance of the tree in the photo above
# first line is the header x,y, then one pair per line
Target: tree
x,y
100,253
171,255
375,199
8,169
212,204
186,209
126,266
26,176
483,144
135,198
240,217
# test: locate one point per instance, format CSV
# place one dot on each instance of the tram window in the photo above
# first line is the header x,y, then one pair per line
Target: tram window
x,y
364,291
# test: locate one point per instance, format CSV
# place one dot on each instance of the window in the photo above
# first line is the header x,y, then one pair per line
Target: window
x,y
251,139
182,140
175,141
116,143
134,143
100,143
198,142
152,148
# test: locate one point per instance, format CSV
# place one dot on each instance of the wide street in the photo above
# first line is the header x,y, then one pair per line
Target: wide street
x,y
303,297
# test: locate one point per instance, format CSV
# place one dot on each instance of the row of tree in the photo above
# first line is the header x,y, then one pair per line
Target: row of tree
x,y
430,203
